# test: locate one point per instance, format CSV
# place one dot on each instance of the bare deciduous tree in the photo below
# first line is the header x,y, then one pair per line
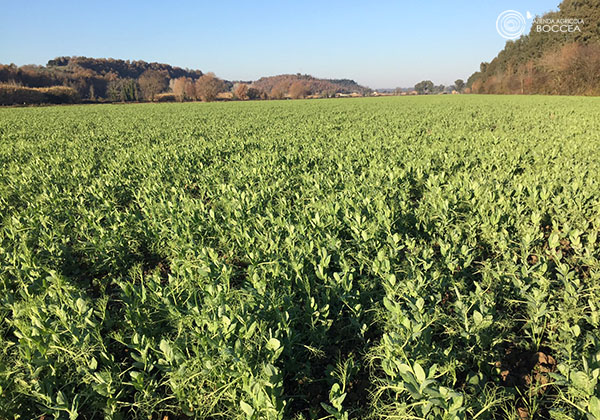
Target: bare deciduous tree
x,y
208,87
240,91
299,90
183,89
153,82
190,89
279,91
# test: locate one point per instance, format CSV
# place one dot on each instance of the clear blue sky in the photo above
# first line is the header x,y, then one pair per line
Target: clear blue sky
x,y
378,44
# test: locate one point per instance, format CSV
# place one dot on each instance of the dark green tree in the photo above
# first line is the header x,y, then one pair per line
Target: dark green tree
x,y
424,87
123,90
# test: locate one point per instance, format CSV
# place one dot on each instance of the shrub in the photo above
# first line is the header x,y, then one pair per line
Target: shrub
x,y
60,95
165,97
13,95
18,95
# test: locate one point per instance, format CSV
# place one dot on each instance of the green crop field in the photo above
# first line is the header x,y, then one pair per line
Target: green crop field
x,y
409,257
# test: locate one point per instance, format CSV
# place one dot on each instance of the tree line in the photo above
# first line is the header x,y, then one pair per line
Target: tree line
x,y
427,87
99,80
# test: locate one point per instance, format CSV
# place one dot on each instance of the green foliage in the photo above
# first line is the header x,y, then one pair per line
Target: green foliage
x,y
123,90
424,87
459,85
417,257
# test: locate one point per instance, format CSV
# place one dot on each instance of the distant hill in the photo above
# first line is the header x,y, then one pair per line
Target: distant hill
x,y
120,68
557,59
314,86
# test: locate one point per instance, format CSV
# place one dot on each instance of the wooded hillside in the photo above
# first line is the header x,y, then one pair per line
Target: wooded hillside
x,y
545,61
304,85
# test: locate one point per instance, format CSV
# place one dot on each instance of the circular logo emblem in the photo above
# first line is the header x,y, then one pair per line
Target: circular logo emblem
x,y
510,24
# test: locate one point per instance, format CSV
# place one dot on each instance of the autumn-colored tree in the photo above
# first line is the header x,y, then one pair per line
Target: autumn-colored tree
x,y
153,82
574,69
279,91
240,91
178,87
208,87
299,90
183,89
275,85
190,89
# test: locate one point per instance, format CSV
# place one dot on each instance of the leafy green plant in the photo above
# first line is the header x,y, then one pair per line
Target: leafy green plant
x,y
430,258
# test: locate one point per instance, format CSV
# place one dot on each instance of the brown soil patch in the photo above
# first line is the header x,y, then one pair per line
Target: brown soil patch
x,y
527,371
532,259
161,266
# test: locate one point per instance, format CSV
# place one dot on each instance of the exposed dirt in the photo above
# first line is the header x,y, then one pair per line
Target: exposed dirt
x,y
156,263
240,270
195,191
565,248
583,271
447,302
523,413
528,371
